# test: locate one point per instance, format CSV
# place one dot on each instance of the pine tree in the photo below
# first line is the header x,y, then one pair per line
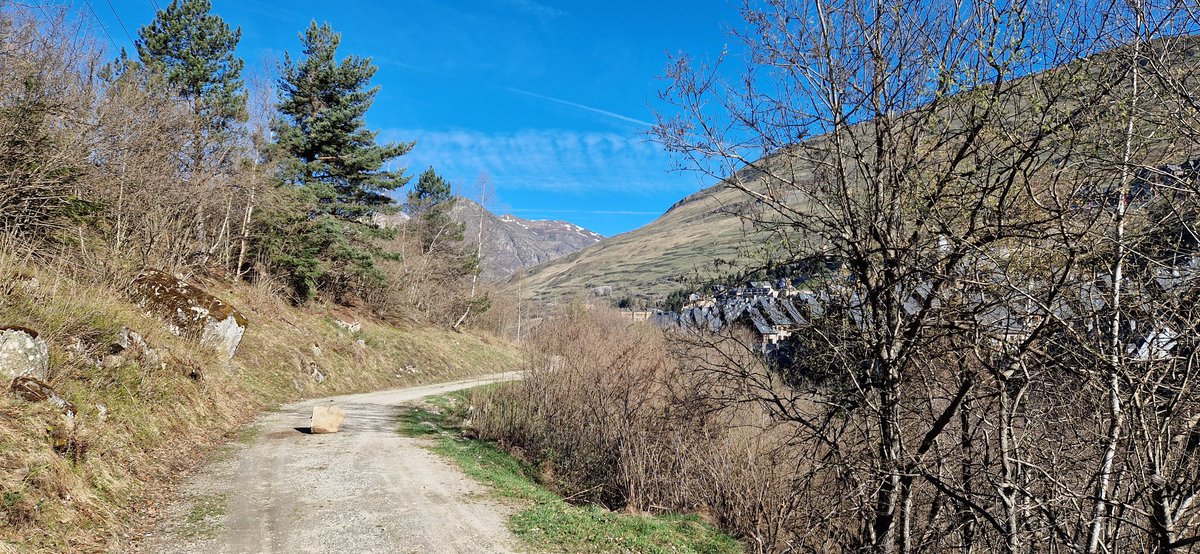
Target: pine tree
x,y
429,203
330,163
321,129
193,50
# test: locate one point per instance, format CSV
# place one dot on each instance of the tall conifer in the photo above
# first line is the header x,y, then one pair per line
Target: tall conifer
x,y
330,161
321,129
193,50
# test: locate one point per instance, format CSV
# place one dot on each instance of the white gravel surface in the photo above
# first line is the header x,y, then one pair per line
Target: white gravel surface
x,y
363,489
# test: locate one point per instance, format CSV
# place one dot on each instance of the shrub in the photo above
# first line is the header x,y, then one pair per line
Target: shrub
x,y
609,415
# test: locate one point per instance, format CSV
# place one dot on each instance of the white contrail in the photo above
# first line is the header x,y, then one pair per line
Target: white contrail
x,y
580,106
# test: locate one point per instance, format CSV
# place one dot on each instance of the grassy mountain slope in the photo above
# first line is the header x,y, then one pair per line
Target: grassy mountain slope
x,y
697,238
683,243
140,425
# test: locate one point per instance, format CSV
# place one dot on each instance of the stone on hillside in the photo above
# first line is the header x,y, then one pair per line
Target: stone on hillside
x,y
23,353
189,311
131,345
316,373
34,390
327,419
350,326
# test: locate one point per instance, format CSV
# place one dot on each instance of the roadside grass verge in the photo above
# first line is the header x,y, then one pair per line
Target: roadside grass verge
x,y
204,519
548,522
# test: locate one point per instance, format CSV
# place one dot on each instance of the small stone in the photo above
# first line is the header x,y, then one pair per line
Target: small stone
x,y
112,361
361,343
327,419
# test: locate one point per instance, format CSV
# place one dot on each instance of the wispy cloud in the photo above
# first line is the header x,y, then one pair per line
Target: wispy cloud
x,y
588,212
577,105
539,10
522,92
547,160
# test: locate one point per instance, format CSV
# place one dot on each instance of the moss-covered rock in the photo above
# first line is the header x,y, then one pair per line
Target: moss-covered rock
x,y
190,311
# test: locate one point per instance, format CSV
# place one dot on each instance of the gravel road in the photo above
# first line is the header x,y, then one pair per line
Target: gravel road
x,y
364,489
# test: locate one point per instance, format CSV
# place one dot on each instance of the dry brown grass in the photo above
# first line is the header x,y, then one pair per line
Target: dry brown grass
x,y
160,421
610,416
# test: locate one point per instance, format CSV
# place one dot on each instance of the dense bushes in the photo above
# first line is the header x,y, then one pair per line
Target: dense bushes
x,y
607,416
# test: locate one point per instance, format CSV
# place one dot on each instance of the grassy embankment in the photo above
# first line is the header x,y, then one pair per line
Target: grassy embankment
x,y
546,521
79,486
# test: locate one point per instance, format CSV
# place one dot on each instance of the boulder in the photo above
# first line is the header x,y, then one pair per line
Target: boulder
x,y
189,311
23,353
351,327
32,389
327,419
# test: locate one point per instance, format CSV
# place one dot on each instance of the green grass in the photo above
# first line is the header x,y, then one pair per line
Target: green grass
x,y
549,523
204,519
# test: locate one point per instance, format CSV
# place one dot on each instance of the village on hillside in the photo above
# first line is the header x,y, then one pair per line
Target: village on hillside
x,y
774,309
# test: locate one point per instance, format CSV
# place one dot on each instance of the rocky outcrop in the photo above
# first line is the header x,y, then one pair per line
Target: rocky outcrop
x,y
189,311
130,344
23,353
327,419
510,243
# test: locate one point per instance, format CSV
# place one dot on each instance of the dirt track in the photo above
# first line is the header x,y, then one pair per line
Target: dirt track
x,y
364,489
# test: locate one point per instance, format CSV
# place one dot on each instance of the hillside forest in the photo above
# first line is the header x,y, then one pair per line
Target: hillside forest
x,y
176,157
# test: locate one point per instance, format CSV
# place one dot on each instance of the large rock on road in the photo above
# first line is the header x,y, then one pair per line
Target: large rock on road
x,y
327,419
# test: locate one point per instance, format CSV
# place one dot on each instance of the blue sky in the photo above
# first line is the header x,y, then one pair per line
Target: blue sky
x,y
550,99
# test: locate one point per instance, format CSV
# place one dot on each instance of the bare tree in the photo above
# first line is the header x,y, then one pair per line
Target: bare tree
x,y
982,193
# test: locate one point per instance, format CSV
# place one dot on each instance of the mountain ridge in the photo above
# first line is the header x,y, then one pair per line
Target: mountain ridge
x,y
510,243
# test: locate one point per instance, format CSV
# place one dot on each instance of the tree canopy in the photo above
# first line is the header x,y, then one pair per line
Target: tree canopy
x,y
193,50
